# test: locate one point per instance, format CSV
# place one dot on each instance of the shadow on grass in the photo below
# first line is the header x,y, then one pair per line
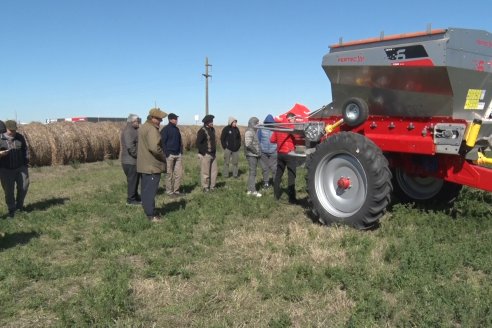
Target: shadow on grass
x,y
179,204
220,184
185,189
17,238
240,173
189,187
45,204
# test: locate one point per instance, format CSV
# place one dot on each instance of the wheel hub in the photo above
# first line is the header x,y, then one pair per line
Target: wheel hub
x,y
344,183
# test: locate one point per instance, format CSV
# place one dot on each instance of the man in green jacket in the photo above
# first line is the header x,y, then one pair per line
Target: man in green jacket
x,y
150,161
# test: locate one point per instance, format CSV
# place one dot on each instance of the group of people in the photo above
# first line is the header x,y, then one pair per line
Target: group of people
x,y
14,161
272,150
148,151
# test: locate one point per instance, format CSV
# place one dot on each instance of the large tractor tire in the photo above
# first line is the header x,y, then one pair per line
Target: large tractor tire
x,y
424,191
348,181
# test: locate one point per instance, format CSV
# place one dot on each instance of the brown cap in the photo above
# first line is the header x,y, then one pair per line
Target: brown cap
x,y
11,125
157,112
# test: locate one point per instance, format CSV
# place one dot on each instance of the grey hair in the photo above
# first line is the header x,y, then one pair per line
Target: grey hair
x,y
132,117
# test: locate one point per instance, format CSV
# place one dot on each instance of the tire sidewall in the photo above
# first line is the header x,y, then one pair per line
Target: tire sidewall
x,y
361,149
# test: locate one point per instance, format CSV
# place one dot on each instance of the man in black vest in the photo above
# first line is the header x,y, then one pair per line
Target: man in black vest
x,y
206,144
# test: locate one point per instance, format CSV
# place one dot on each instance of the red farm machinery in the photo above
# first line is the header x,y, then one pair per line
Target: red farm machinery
x,y
411,116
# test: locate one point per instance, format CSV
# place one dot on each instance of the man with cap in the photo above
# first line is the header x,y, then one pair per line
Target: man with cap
x,y
205,142
150,161
173,149
128,157
14,159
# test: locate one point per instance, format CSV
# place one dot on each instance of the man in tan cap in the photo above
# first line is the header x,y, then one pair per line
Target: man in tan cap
x,y
150,161
14,159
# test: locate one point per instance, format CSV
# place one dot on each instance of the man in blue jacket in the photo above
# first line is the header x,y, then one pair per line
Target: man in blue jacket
x,y
173,149
268,159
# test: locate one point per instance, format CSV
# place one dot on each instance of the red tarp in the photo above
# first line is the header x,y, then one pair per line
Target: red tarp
x,y
299,110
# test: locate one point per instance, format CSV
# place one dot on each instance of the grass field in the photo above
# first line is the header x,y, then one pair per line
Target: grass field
x,y
79,257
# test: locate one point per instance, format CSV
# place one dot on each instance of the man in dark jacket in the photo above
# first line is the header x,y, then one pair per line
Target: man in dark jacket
x,y
128,157
14,159
173,149
206,144
230,139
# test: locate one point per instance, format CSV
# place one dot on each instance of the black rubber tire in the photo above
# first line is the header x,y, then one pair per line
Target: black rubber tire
x,y
357,158
425,191
355,111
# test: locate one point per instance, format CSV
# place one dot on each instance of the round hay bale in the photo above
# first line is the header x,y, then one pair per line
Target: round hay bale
x,y
188,135
95,150
39,142
68,143
82,130
62,143
110,132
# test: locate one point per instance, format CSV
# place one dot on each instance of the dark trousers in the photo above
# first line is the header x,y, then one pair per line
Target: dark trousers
x,y
150,185
289,162
11,180
132,179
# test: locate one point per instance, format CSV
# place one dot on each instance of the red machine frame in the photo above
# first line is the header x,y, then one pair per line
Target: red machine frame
x,y
405,139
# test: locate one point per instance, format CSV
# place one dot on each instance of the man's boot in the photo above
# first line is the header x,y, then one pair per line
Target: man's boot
x,y
292,194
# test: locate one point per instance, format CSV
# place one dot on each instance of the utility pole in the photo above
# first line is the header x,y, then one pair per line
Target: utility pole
x,y
206,84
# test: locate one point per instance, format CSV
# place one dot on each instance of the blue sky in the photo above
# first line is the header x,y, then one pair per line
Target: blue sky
x,y
108,58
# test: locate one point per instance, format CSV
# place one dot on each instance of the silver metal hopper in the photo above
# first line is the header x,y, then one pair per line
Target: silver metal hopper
x,y
437,73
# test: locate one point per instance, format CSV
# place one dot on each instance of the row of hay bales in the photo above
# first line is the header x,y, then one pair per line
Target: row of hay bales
x,y
63,143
